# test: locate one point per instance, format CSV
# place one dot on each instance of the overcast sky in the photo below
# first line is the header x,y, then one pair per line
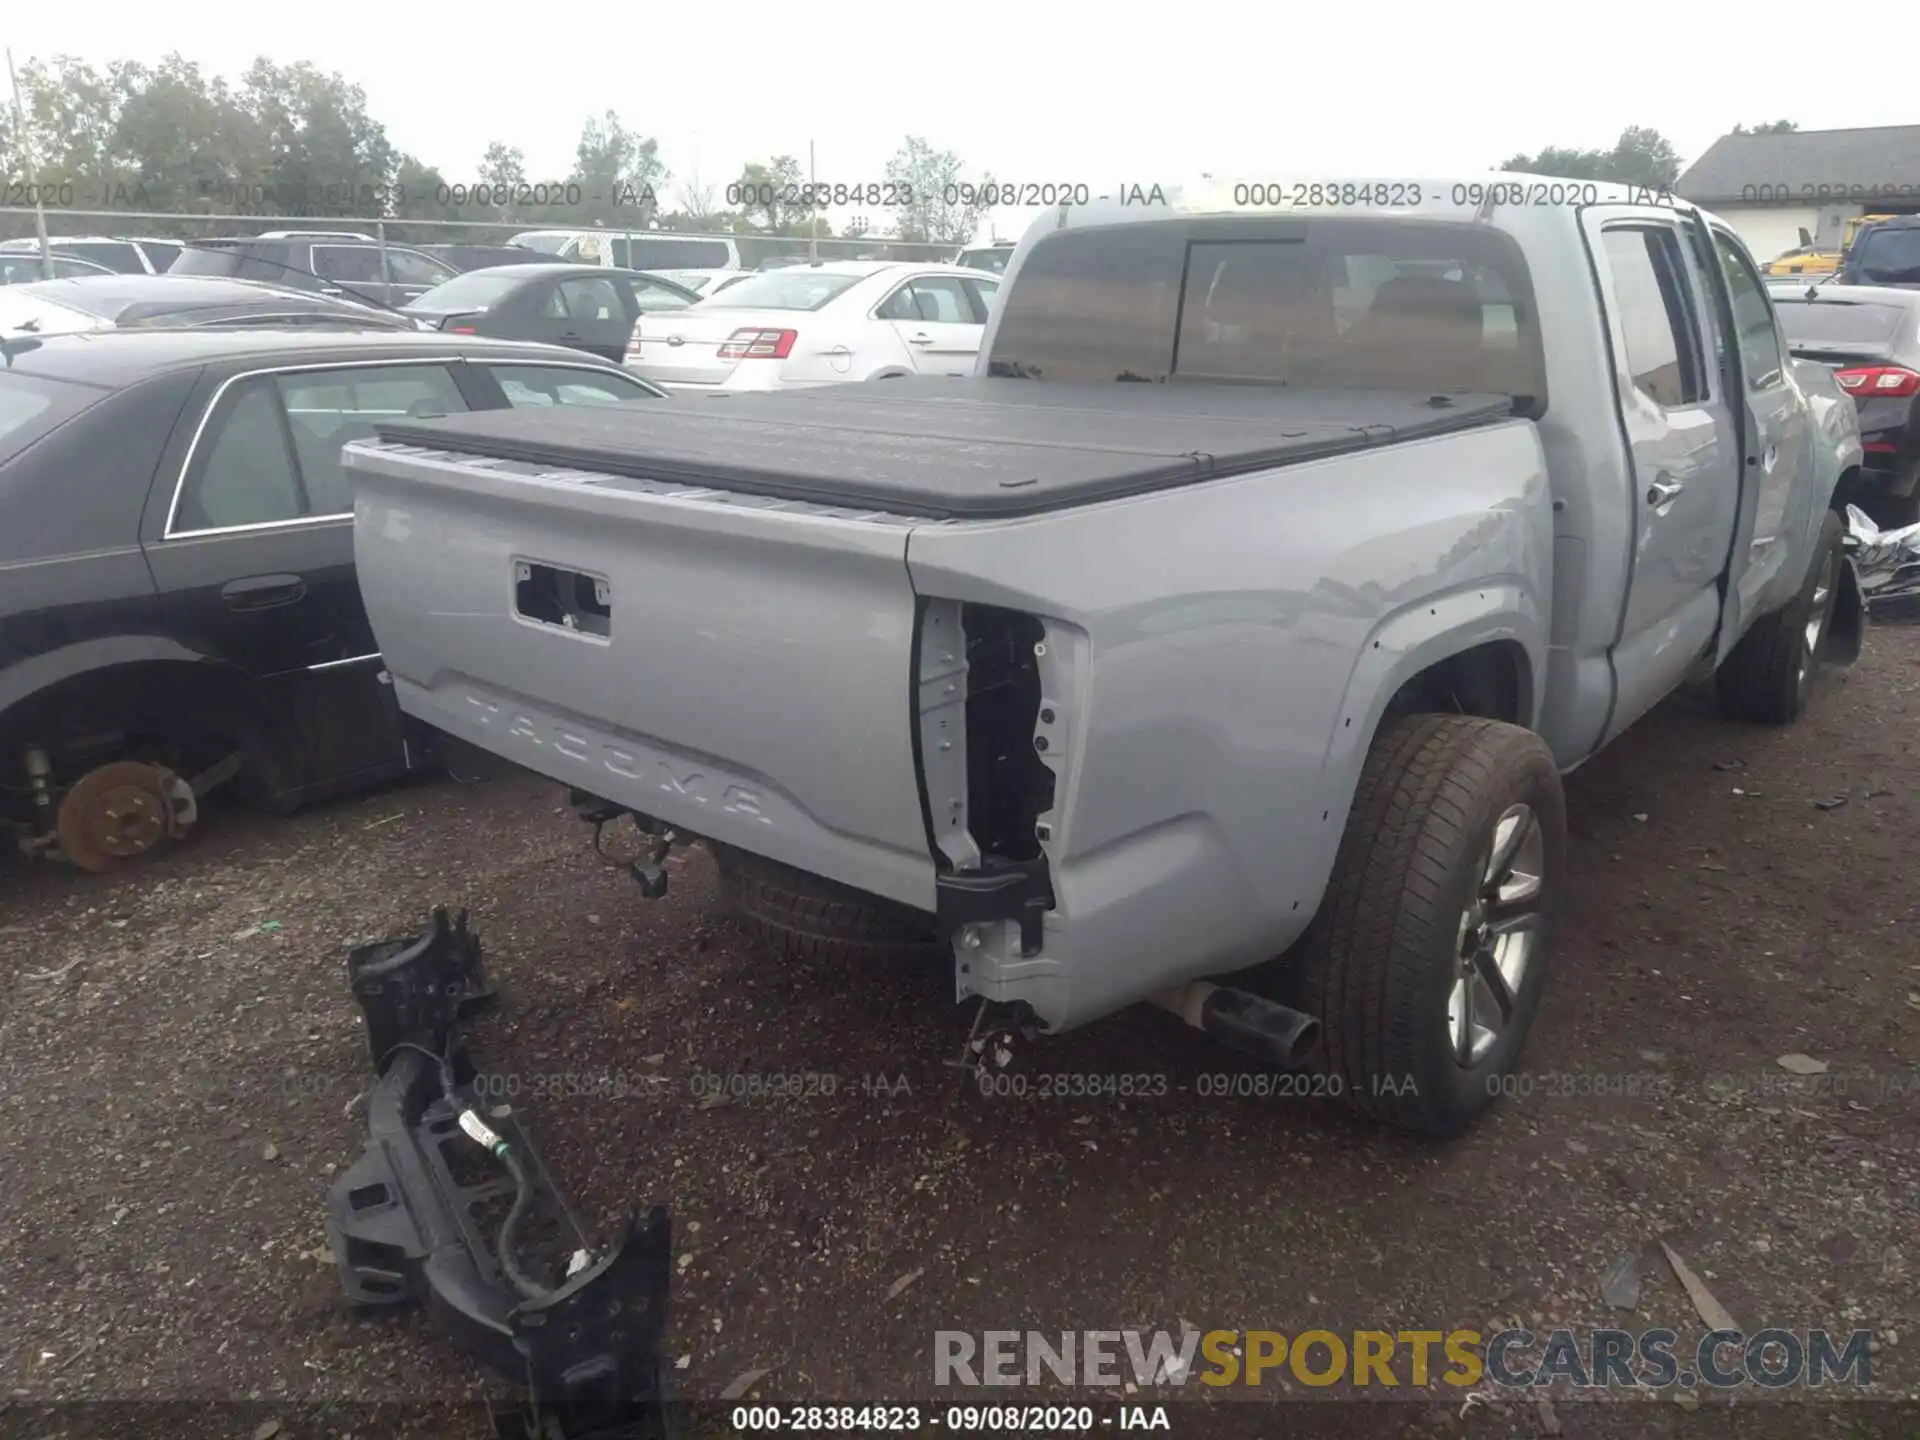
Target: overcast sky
x,y
1063,91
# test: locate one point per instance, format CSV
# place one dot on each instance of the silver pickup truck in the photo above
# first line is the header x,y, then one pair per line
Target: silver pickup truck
x,y
1249,602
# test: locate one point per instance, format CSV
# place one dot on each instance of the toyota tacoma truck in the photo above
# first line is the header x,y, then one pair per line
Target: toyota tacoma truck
x,y
1221,642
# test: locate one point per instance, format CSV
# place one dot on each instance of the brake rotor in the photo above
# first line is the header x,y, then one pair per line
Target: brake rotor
x,y
116,813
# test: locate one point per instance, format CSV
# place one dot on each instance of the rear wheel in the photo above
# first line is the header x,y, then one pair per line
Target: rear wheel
x,y
1428,958
1769,675
803,917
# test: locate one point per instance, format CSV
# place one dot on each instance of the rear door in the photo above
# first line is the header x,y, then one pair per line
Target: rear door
x,y
1684,450
936,321
1777,441
250,540
585,312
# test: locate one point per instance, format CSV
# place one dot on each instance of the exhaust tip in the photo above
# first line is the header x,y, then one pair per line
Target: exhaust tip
x,y
1251,1024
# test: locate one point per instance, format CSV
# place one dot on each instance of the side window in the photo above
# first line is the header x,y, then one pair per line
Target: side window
x,y
1753,322
930,299
1652,315
983,292
647,296
409,267
117,255
327,408
533,386
592,298
552,305
346,262
242,471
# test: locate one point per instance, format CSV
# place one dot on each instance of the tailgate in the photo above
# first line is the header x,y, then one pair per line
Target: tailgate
x,y
750,679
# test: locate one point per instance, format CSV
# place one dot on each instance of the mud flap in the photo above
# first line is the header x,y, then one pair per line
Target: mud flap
x,y
1847,630
409,1222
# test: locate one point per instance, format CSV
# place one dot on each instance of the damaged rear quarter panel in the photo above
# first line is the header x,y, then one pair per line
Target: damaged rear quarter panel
x,y
1208,644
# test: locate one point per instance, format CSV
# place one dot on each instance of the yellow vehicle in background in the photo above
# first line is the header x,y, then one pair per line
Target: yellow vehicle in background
x,y
1811,260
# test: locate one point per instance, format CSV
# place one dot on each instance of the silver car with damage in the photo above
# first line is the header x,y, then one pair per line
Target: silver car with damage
x,y
1222,642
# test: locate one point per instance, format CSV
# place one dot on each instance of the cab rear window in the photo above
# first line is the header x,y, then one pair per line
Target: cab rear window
x,y
1396,304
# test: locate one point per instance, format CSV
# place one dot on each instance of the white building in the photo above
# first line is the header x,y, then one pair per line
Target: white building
x,y
1771,188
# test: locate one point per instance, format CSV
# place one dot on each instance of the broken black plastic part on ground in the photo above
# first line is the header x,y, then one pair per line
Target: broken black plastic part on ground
x,y
415,1219
417,988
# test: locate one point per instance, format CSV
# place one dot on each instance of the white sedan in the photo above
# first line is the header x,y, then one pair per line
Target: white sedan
x,y
822,324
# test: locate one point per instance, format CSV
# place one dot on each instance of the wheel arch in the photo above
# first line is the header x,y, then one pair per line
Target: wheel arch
x,y
121,680
1478,651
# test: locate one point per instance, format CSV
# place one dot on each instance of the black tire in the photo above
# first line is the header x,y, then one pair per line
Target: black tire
x,y
1769,675
805,918
1381,962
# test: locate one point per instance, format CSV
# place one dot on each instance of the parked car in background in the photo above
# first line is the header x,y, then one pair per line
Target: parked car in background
x,y
652,250
478,257
331,264
585,307
1886,252
821,324
992,258
1869,336
706,283
124,255
195,301
178,607
19,268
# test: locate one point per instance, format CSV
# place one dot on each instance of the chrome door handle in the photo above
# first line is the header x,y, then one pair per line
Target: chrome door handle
x,y
921,339
1663,490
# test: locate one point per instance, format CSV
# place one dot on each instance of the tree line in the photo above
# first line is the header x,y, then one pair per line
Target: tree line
x,y
295,141
292,140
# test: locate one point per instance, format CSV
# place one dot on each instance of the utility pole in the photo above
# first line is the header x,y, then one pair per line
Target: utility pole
x,y
33,169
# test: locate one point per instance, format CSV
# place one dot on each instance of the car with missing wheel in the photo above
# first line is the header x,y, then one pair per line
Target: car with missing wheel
x,y
178,610
1221,642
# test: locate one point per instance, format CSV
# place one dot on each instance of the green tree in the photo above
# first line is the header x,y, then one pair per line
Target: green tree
x,y
619,173
324,154
773,197
1639,157
1771,127
937,203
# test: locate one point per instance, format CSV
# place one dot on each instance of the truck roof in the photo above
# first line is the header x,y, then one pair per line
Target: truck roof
x,y
950,449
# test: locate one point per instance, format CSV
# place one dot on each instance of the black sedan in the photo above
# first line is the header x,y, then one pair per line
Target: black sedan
x,y
587,307
178,604
131,301
1870,337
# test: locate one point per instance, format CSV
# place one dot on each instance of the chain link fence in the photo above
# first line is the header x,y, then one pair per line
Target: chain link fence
x,y
639,249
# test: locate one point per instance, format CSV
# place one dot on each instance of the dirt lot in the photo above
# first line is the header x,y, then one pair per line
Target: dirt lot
x,y
181,1061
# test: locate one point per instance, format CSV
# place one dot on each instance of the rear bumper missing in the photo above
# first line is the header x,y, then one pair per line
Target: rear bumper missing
x,y
409,1221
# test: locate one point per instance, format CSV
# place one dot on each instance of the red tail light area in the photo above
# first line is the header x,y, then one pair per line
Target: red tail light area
x,y
750,343
1888,380
459,325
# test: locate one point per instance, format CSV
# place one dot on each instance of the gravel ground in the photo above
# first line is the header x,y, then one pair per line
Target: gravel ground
x,y
182,1061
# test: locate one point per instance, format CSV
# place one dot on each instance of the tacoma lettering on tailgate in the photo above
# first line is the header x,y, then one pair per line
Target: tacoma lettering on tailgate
x,y
675,779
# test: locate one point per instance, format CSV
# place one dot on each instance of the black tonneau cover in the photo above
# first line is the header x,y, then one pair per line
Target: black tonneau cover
x,y
953,448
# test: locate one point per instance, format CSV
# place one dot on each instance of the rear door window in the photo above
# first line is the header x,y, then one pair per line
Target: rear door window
x,y
242,472
347,262
327,408
935,299
1652,316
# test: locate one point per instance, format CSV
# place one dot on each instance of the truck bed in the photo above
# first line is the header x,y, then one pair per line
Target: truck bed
x,y
952,449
